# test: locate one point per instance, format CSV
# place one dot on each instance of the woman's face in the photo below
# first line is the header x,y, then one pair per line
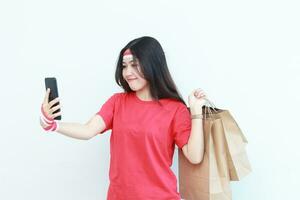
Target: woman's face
x,y
131,72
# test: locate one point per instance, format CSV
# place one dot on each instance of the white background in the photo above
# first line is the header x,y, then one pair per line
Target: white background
x,y
244,54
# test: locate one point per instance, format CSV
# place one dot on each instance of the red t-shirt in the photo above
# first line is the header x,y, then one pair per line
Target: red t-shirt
x,y
142,143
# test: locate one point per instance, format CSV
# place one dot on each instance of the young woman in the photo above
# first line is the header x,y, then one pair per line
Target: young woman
x,y
146,120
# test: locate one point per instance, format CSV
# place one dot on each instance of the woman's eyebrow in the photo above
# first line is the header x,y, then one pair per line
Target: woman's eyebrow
x,y
132,61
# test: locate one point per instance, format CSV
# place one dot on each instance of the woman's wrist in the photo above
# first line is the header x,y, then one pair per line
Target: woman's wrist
x,y
198,116
47,123
197,111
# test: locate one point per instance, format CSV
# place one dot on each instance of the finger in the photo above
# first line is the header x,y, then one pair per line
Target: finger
x,y
198,90
56,114
54,101
201,94
46,99
198,93
55,108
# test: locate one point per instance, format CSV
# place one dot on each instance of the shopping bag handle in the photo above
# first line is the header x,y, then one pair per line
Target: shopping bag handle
x,y
214,108
211,104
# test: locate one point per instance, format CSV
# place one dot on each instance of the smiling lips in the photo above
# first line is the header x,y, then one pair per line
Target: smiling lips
x,y
132,79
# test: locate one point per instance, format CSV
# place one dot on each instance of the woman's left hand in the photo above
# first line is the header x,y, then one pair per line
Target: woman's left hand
x,y
196,101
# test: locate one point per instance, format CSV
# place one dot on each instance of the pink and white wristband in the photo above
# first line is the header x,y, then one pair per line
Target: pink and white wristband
x,y
52,124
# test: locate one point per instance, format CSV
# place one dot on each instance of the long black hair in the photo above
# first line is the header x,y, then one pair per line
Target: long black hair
x,y
153,67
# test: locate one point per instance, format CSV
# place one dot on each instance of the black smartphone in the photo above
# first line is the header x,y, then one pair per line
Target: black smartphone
x,y
50,82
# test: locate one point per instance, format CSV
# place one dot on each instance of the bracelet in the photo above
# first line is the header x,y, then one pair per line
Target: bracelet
x,y
55,126
199,116
52,125
45,121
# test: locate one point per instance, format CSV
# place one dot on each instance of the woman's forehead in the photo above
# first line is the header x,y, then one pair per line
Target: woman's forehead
x,y
129,59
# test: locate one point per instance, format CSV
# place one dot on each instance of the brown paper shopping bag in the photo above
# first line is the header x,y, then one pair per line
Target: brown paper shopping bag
x,y
210,179
238,163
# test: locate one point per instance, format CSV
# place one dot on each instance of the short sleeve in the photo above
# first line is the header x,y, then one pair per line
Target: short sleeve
x,y
107,111
182,126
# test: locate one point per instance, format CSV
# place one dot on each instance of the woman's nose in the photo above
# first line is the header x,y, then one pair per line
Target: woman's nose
x,y
128,70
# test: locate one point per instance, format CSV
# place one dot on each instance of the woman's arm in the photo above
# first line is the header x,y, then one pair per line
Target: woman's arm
x,y
75,130
81,131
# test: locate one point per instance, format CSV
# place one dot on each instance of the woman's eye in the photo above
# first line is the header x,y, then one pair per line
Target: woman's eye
x,y
134,65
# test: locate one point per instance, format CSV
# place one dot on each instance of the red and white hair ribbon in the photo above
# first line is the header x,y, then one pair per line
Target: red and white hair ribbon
x,y
127,55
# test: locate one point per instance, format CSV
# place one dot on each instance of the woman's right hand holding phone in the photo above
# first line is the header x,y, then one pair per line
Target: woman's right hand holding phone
x,y
47,118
